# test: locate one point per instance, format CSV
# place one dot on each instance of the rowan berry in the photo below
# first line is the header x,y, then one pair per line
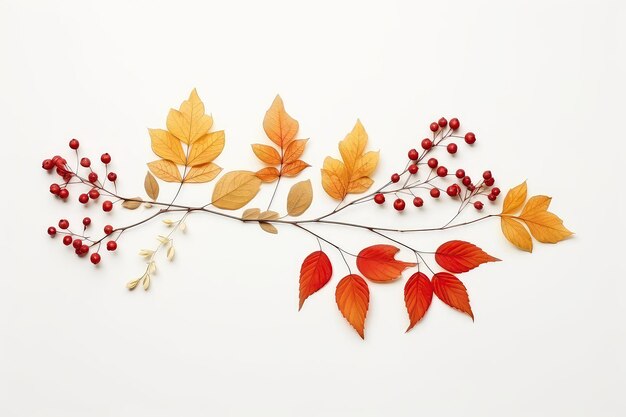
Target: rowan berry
x,y
434,126
55,189
92,177
432,162
105,158
467,181
435,193
85,162
492,197
74,144
470,138
47,164
413,169
399,204
84,249
395,178
111,245
489,182
77,243
83,198
107,205
64,193
378,198
413,155
108,229
452,148
454,123
487,175
86,221
64,224
94,194
460,173
442,171
427,144
452,190
478,205
443,122
95,258
52,231
112,176
418,202
495,191
67,240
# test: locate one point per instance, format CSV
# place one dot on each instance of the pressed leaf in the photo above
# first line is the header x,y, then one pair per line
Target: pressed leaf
x,y
203,173
235,189
165,145
294,168
315,272
299,198
151,186
294,150
132,204
266,153
458,256
268,227
206,148
333,185
451,291
515,233
268,215
267,174
418,294
546,227
515,198
189,123
353,297
251,214
165,170
278,125
535,204
378,263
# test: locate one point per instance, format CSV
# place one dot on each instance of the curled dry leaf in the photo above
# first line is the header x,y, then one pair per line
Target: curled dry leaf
x,y
418,294
165,170
378,263
299,198
132,204
235,189
151,186
458,256
315,272
451,291
353,297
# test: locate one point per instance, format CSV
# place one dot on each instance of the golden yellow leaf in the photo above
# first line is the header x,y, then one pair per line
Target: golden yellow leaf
x,y
132,204
360,185
546,227
294,168
515,233
206,149
202,173
251,214
299,198
269,228
151,186
365,165
165,145
535,204
266,154
353,145
269,174
294,150
235,189
278,125
189,123
515,198
334,178
165,170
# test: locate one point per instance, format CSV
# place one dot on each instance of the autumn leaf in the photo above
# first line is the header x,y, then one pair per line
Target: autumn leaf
x,y
206,149
268,174
151,186
514,198
515,233
235,189
294,168
315,272
202,173
189,123
266,153
546,227
251,214
353,296
451,291
268,227
458,256
165,170
165,145
133,203
378,263
278,125
352,174
294,150
418,294
299,198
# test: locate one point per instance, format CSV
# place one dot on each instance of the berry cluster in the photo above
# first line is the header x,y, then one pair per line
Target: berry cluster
x,y
81,243
463,188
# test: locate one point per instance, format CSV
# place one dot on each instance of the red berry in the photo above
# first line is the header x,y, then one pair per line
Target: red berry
x,y
399,204
52,231
94,194
60,162
62,172
74,144
418,202
84,249
67,240
470,138
487,175
471,187
467,181
442,171
454,123
395,178
452,148
492,197
85,162
489,182
105,158
108,229
95,258
434,126
77,243
83,198
92,177
107,206
112,176
443,122
478,205
55,188
64,224
64,193
47,164
452,191
413,169
111,245
460,173
379,198
413,154
427,144
432,162
86,221
435,193
495,191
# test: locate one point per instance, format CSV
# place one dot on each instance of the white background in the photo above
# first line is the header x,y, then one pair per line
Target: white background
x,y
541,84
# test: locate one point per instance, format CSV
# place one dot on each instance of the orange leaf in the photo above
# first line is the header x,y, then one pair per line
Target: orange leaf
x,y
278,125
458,256
202,173
353,298
315,272
418,294
546,227
294,168
165,170
294,150
266,154
514,198
515,233
378,263
451,291
269,174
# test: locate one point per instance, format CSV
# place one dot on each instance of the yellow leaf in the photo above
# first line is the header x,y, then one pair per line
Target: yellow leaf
x,y
299,198
515,233
251,214
514,198
294,150
206,149
165,145
365,165
151,186
278,125
269,228
360,185
353,145
266,154
294,168
165,170
546,227
202,173
235,189
189,123
535,204
335,178
269,174
132,204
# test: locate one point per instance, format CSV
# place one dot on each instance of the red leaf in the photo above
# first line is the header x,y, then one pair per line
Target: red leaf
x,y
418,293
353,299
458,256
378,263
315,272
451,291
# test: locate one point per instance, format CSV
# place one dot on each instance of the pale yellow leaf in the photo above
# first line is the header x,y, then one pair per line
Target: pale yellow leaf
x,y
514,198
299,198
546,227
294,150
206,149
235,189
251,214
515,233
189,123
170,253
165,170
132,204
278,125
266,153
131,285
165,145
269,228
146,282
151,186
202,173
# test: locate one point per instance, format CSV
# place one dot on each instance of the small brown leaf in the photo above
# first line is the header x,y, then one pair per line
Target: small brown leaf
x,y
132,204
268,215
268,227
251,214
151,185
299,198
